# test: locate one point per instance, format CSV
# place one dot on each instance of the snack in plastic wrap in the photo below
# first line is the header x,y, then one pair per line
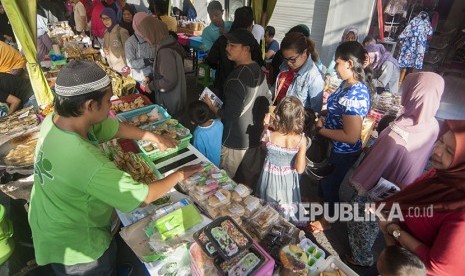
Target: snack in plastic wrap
x,y
251,205
265,217
201,262
175,223
220,198
240,192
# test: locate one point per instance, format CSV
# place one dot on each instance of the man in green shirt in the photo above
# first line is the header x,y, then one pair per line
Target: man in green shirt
x,y
76,187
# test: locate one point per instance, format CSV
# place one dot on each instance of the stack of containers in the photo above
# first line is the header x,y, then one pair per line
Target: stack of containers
x,y
225,245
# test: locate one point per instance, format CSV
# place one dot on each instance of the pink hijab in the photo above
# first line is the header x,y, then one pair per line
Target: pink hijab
x,y
421,96
402,150
444,189
136,20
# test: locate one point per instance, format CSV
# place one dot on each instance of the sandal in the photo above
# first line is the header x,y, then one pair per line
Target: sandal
x,y
350,260
318,226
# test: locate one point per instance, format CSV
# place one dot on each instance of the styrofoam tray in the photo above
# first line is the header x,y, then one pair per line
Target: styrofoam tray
x,y
326,267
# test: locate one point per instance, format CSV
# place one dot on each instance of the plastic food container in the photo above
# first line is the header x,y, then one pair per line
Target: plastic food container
x,y
210,185
220,198
333,264
316,255
291,265
246,263
182,134
227,237
251,205
132,116
265,217
240,192
128,100
201,264
205,244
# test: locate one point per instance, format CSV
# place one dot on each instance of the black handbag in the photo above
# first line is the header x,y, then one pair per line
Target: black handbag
x,y
319,151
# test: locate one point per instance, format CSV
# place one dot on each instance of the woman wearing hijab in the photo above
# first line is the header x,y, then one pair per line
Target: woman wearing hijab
x,y
139,52
349,34
167,85
114,40
385,67
399,155
128,15
437,236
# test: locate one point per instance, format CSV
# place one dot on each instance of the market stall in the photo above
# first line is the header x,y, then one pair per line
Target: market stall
x,y
209,224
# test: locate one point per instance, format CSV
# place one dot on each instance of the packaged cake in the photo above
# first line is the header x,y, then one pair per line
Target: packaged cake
x,y
240,191
220,198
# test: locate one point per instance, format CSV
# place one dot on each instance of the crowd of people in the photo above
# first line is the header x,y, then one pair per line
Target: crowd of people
x,y
257,136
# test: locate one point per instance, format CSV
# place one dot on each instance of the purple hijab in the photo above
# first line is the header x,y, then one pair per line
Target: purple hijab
x,y
401,151
112,15
381,55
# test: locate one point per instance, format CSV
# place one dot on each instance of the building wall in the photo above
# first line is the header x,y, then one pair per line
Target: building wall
x,y
342,14
326,19
287,14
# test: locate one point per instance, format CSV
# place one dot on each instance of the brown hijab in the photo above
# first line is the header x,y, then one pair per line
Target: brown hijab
x,y
421,96
153,30
445,189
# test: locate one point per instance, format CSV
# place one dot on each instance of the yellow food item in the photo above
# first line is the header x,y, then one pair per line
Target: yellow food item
x,y
295,249
21,155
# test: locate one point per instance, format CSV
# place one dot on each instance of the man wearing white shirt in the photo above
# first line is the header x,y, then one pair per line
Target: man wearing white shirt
x,y
80,17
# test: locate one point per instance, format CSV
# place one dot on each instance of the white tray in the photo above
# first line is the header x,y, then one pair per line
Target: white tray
x,y
327,267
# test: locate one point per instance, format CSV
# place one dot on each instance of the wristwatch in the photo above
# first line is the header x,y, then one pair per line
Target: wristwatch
x,y
396,234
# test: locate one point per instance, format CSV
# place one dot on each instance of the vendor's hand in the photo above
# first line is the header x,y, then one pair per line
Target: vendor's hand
x,y
187,171
164,143
106,51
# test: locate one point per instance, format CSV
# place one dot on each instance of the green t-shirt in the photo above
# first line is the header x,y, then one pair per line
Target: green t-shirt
x,y
76,188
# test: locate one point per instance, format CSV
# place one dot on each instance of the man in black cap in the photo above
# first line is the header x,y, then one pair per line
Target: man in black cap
x,y
76,187
246,102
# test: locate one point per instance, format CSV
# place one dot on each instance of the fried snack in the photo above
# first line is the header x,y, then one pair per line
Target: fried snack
x,y
134,165
21,155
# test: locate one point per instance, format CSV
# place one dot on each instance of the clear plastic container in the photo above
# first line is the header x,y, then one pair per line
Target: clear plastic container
x,y
220,198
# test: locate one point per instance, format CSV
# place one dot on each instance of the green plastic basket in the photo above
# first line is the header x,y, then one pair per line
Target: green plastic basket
x,y
157,153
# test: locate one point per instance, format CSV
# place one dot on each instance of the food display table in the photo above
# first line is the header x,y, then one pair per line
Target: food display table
x,y
209,224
